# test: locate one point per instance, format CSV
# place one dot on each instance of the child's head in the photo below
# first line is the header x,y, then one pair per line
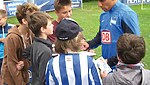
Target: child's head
x,y
23,10
63,9
3,17
131,48
39,23
69,36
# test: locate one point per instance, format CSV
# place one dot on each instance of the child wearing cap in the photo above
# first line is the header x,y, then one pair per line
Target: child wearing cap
x,y
39,52
71,67
130,71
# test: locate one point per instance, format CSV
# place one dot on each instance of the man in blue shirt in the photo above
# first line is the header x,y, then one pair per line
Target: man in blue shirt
x,y
116,20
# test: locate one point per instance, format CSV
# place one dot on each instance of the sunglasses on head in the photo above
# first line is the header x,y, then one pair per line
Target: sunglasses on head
x,y
101,0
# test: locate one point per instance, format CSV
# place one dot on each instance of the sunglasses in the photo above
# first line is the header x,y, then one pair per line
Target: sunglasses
x,y
101,0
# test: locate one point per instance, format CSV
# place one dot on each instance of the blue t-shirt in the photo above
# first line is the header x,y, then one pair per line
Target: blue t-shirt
x,y
118,20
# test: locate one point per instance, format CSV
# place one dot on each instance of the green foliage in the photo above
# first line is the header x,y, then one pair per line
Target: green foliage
x,y
144,22
88,19
12,20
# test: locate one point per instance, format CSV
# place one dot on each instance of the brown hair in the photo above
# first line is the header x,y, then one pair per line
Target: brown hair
x,y
38,20
59,4
73,44
23,10
3,13
131,48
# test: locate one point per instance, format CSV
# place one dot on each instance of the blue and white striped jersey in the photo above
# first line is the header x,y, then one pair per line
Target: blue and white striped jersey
x,y
72,69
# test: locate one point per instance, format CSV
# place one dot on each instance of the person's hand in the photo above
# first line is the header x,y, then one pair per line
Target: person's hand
x,y
20,65
85,45
91,51
106,60
103,74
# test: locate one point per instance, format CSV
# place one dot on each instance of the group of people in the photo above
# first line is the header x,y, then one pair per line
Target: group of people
x,y
37,37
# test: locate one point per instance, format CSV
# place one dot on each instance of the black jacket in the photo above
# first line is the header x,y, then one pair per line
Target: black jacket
x,y
39,53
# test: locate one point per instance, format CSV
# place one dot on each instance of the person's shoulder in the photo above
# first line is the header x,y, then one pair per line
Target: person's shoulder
x,y
55,57
145,71
125,8
8,25
13,32
11,25
54,22
13,29
86,53
145,77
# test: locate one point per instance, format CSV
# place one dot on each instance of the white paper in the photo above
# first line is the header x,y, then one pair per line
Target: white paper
x,y
102,64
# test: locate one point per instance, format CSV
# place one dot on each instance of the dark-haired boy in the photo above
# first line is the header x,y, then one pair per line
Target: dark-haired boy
x,y
39,52
130,71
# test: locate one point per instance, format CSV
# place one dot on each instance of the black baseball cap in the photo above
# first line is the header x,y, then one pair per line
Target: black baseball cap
x,y
67,29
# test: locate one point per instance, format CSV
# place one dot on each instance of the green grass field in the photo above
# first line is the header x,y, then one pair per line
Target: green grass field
x,y
88,18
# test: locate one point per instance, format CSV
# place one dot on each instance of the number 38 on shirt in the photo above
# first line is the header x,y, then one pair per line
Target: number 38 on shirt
x,y
106,37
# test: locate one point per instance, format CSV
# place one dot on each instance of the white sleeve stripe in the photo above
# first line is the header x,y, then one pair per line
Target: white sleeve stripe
x,y
84,69
70,69
91,77
51,81
97,71
57,69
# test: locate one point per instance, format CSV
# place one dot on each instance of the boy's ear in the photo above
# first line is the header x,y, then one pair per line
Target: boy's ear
x,y
56,12
42,29
24,21
119,59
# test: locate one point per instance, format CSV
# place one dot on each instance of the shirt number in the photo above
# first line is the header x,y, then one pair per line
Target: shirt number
x,y
106,37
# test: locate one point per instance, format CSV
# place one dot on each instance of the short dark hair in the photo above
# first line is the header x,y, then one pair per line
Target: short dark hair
x,y
131,48
58,4
38,20
23,10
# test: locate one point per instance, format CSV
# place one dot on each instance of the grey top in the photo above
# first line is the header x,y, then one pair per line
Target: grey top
x,y
39,53
128,76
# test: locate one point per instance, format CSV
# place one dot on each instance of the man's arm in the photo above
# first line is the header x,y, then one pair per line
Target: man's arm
x,y
95,42
130,23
